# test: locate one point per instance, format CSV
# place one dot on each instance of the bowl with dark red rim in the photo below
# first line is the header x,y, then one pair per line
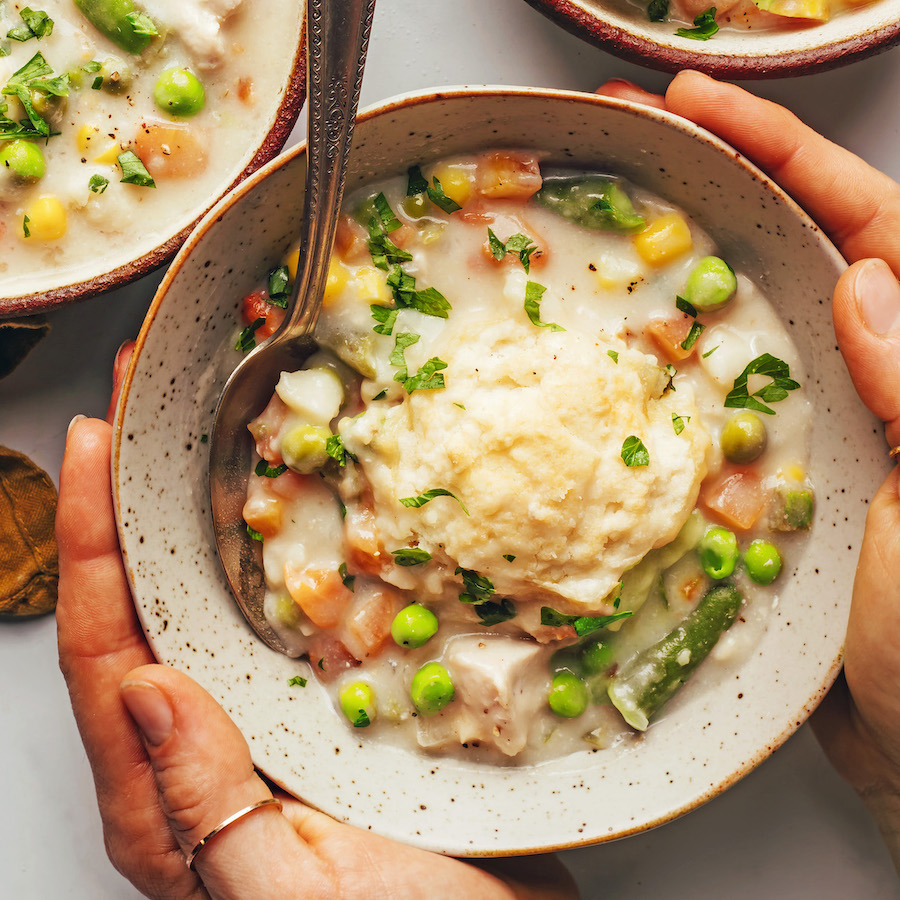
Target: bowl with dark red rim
x,y
624,29
269,122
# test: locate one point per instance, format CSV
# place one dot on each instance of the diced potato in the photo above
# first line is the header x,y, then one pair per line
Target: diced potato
x,y
669,335
46,219
457,181
663,240
314,394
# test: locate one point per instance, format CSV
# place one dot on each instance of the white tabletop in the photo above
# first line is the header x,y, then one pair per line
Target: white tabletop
x,y
791,830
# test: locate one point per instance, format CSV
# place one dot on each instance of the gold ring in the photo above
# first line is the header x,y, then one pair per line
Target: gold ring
x,y
895,452
189,859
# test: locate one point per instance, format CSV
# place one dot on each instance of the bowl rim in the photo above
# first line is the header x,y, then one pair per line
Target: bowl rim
x,y
830,668
286,115
602,32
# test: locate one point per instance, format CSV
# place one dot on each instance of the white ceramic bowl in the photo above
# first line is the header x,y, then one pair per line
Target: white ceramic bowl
x,y
275,63
712,734
621,28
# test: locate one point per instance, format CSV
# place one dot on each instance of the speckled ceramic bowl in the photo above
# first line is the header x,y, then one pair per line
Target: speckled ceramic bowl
x,y
622,28
712,733
278,91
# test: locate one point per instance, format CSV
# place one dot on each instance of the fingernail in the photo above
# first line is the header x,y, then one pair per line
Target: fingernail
x,y
150,710
622,81
879,297
76,419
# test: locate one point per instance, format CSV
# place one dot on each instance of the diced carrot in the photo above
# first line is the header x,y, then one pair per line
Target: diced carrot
x,y
262,513
320,593
265,428
170,151
369,625
257,306
350,240
509,175
669,334
329,657
735,497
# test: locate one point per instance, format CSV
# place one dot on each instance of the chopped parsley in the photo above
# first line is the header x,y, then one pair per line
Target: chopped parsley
x,y
25,229
254,534
279,286
247,339
134,171
382,249
440,199
361,720
428,496
35,24
613,355
416,183
428,378
347,579
410,556
739,397
204,438
141,23
509,557
36,76
671,372
685,307
385,317
380,395
711,351
691,339
98,184
678,422
657,10
582,624
297,681
264,470
705,26
335,448
533,294
493,612
519,245
478,588
389,222
634,453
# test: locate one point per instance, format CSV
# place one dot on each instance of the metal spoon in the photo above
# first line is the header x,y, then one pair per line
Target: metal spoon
x,y
337,38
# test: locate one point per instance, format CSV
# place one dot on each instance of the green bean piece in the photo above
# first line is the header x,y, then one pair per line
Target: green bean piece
x,y
179,93
414,626
710,285
763,562
744,437
568,697
24,160
718,550
598,204
432,689
110,18
649,680
797,512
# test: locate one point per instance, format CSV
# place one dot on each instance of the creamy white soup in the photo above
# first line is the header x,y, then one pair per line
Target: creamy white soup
x,y
549,459
120,120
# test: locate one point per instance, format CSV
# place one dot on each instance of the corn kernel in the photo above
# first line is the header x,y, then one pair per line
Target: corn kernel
x,y
109,155
86,138
46,219
371,285
336,281
664,240
793,472
456,181
292,260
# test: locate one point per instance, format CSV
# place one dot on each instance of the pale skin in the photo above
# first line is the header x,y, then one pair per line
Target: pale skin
x,y
168,763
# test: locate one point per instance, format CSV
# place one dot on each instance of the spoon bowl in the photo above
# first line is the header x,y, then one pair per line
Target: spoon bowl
x,y
337,39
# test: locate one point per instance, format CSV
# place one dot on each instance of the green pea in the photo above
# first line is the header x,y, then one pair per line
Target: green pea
x,y
414,626
568,695
357,701
718,551
763,562
431,689
23,159
116,74
303,448
710,285
744,437
179,92
596,657
286,611
416,205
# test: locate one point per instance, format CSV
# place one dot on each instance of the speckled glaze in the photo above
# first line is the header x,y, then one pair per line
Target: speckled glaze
x,y
711,735
619,27
273,119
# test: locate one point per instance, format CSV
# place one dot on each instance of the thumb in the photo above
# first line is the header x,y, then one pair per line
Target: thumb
x,y
867,325
204,775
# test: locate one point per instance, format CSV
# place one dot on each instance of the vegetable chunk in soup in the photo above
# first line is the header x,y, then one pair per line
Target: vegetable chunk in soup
x,y
119,120
549,459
